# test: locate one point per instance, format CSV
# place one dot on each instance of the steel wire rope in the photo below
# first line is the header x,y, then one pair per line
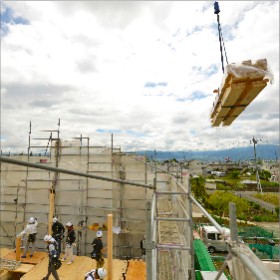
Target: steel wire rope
x,y
221,40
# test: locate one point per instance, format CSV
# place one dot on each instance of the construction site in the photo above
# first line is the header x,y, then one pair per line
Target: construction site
x,y
144,209
116,184
99,187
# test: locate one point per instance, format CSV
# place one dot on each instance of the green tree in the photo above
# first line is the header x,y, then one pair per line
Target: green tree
x,y
264,175
198,188
234,174
219,203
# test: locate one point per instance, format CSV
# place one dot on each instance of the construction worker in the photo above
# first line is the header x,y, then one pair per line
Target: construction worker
x,y
31,231
99,273
58,233
70,243
54,262
143,250
97,244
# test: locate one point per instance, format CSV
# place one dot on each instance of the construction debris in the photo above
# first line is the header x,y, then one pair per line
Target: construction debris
x,y
9,264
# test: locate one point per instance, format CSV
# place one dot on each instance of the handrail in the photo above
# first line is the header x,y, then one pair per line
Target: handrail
x,y
72,172
217,226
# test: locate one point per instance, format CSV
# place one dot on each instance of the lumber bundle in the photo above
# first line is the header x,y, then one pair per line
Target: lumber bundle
x,y
241,84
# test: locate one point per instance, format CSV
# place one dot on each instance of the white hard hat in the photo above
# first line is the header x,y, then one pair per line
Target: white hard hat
x,y
31,220
99,233
47,238
101,272
69,224
55,219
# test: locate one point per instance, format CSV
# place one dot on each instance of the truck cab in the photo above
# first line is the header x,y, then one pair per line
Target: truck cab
x,y
213,239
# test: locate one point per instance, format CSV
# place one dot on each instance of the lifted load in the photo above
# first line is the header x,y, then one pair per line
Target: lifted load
x,y
241,84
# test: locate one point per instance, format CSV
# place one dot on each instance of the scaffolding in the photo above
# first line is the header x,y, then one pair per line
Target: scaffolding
x,y
27,190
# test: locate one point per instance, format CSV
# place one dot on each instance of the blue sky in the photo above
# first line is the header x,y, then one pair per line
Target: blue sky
x,y
143,70
8,18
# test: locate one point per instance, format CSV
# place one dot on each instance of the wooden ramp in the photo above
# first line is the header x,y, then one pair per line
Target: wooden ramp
x,y
240,86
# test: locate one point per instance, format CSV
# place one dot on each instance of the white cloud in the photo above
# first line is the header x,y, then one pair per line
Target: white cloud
x,y
87,63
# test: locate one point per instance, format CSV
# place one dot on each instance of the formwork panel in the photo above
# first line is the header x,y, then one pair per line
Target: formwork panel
x,y
39,174
37,197
131,192
76,197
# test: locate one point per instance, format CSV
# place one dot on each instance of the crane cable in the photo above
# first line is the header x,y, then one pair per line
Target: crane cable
x,y
222,44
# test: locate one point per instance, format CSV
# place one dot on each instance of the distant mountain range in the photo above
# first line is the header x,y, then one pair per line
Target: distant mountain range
x,y
266,152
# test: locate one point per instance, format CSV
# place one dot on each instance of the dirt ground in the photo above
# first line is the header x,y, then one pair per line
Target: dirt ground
x,y
274,227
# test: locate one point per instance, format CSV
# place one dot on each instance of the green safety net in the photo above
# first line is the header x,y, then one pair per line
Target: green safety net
x,y
265,251
252,231
203,260
198,275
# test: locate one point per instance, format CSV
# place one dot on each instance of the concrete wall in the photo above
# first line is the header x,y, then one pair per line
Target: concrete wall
x,y
25,193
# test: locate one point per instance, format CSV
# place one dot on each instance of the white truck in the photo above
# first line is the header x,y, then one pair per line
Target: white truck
x,y
213,240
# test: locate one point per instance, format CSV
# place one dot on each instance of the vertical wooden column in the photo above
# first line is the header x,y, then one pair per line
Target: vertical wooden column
x,y
51,211
148,242
18,241
110,246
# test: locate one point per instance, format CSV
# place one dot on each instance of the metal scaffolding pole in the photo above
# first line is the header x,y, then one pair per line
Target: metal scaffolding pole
x,y
72,172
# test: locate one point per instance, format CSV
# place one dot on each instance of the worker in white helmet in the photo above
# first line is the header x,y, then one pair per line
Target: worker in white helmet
x,y
70,242
99,273
96,254
58,233
54,262
30,231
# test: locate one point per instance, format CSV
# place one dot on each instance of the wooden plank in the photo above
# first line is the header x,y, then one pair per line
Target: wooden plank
x,y
216,121
18,241
229,121
76,270
5,275
136,270
110,245
232,94
240,86
223,111
251,92
229,99
24,268
51,211
243,94
37,257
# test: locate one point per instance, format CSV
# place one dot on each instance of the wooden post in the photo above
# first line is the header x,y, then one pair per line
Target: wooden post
x,y
51,211
110,246
18,241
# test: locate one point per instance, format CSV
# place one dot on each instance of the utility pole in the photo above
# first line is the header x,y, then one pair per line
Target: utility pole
x,y
259,188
